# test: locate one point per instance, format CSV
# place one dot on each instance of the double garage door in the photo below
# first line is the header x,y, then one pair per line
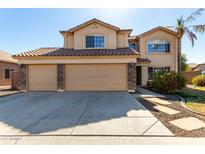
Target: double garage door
x,y
79,77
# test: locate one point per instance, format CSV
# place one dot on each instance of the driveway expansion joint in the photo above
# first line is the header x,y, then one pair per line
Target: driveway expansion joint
x,y
80,117
149,127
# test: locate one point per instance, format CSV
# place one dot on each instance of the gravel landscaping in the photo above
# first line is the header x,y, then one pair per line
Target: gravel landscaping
x,y
166,118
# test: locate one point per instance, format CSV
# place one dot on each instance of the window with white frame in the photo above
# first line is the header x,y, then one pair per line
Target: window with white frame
x,y
152,70
95,41
158,46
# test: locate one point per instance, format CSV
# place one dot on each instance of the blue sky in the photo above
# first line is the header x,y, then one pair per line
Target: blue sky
x,y
26,29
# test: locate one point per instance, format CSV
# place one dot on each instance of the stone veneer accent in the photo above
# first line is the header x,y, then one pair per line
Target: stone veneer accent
x,y
131,76
22,77
60,76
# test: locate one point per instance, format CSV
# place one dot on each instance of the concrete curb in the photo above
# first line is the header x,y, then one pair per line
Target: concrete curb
x,y
183,103
19,92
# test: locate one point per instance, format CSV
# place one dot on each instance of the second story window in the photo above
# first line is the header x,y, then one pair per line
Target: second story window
x,y
132,45
158,46
95,42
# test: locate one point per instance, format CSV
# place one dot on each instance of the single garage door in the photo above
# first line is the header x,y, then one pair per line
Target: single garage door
x,y
42,77
96,77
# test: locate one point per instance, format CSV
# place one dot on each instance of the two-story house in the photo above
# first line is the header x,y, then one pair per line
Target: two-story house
x,y
98,56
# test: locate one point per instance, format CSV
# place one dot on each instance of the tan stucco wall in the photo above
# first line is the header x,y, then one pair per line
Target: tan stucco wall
x,y
95,29
68,41
122,40
113,39
77,59
144,75
164,59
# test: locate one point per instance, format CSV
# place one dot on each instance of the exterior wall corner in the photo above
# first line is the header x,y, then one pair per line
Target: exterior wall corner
x,y
144,75
22,78
60,76
131,76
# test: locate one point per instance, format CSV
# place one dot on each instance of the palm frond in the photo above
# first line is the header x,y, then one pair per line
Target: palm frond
x,y
194,15
199,28
180,21
192,37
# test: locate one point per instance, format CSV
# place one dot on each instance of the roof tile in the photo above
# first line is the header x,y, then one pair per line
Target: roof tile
x,y
77,52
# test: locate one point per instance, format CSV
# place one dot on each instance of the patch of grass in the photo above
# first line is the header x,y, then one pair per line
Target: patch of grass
x,y
195,98
200,88
196,106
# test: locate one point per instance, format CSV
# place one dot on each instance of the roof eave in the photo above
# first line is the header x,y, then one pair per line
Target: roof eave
x,y
155,29
92,21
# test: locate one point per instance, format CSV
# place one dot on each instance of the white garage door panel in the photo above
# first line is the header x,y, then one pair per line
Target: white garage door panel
x,y
42,77
96,77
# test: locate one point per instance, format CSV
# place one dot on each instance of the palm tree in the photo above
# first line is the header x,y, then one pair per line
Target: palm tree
x,y
183,27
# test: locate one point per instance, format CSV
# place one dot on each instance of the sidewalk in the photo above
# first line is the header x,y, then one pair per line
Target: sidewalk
x,y
99,140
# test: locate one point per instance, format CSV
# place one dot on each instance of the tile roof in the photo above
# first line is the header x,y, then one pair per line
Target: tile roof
x,y
77,52
143,60
195,68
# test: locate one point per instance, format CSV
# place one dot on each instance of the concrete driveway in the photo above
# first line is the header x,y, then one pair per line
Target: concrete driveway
x,y
77,113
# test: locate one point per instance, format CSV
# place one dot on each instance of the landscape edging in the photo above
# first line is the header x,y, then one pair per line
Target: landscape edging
x,y
183,103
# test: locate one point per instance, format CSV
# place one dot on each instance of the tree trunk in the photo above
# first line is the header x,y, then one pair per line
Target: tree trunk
x,y
179,55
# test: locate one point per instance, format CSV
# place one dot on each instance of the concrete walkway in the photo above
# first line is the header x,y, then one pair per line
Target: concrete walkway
x,y
186,123
146,93
100,140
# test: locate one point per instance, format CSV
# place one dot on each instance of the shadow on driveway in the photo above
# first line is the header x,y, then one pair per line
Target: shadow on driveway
x,y
67,113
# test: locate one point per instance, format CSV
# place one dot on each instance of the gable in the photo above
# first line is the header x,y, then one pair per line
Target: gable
x,y
92,21
157,29
95,28
159,34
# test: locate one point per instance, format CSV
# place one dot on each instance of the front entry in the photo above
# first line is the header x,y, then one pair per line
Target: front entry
x,y
138,75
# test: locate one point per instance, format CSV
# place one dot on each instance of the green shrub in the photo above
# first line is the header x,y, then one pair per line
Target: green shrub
x,y
181,80
167,82
199,80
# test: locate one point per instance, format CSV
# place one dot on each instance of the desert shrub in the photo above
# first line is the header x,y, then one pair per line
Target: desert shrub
x,y
167,82
199,80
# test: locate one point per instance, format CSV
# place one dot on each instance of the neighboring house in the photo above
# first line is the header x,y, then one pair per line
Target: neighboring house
x,y
192,65
7,65
200,67
99,56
